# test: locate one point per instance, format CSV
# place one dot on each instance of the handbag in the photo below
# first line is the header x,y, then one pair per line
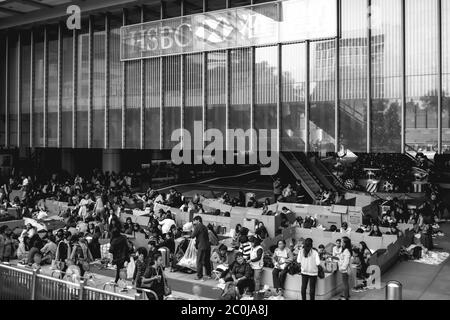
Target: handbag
x,y
320,272
167,289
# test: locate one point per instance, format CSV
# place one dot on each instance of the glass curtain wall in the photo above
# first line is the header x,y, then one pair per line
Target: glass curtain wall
x,y
446,76
115,83
38,89
192,6
240,91
152,90
386,43
13,75
3,76
25,90
322,64
293,71
98,82
212,5
133,92
67,89
266,94
82,110
353,76
216,98
193,78
421,75
172,98
152,121
52,95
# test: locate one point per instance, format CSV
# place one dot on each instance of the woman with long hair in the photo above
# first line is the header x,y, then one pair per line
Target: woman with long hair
x,y
365,251
344,265
309,260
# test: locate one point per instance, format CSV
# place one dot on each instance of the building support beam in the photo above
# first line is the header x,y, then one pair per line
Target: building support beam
x,y
279,97
19,88
31,86
75,87
369,77
337,70
440,91
227,101
6,75
182,58
142,93
252,98
60,71
161,103
45,135
124,86
90,79
403,81
307,100
107,78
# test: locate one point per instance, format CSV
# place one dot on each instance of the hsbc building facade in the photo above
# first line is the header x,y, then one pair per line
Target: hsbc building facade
x,y
364,75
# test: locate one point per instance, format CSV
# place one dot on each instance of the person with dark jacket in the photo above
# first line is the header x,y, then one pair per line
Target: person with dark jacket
x,y
242,274
203,247
120,251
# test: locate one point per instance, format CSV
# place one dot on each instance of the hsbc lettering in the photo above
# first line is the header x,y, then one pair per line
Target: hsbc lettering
x,y
262,24
161,38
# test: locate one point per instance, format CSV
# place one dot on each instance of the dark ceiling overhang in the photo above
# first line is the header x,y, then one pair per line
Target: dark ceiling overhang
x,y
26,13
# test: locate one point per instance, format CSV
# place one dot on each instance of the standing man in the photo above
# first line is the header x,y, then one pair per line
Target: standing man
x,y
203,247
277,189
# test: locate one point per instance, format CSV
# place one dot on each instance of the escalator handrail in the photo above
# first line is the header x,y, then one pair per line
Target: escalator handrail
x,y
292,169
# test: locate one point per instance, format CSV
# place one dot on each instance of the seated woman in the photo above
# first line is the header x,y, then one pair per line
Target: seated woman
x,y
219,259
358,261
241,274
128,226
281,258
261,231
365,251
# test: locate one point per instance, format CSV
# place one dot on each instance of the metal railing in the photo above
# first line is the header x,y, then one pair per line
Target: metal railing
x,y
21,284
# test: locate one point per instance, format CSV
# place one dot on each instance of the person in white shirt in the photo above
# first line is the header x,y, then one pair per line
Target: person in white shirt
x,y
256,261
309,260
344,266
281,258
166,224
337,249
41,215
345,228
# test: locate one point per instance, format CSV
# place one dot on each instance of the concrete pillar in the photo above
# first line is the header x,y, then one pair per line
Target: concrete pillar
x,y
68,160
111,160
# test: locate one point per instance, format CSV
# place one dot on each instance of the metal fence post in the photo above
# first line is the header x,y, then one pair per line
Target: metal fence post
x,y
33,284
81,293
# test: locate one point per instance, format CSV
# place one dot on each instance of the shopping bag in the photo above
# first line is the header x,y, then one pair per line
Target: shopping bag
x,y
130,269
189,259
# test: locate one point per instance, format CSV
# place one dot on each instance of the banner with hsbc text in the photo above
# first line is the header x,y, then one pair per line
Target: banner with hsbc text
x,y
264,24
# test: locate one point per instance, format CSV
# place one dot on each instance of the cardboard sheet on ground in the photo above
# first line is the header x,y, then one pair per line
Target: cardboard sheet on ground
x,y
433,257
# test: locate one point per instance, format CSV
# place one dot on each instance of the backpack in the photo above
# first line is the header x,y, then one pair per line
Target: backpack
x,y
417,252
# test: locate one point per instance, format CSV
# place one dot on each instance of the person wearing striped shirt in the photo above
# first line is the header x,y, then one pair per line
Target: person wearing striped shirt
x,y
245,247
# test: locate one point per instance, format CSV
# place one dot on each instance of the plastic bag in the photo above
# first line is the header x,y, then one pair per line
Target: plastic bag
x,y
189,259
130,268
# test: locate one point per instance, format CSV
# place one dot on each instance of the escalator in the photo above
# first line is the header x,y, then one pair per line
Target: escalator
x,y
300,169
